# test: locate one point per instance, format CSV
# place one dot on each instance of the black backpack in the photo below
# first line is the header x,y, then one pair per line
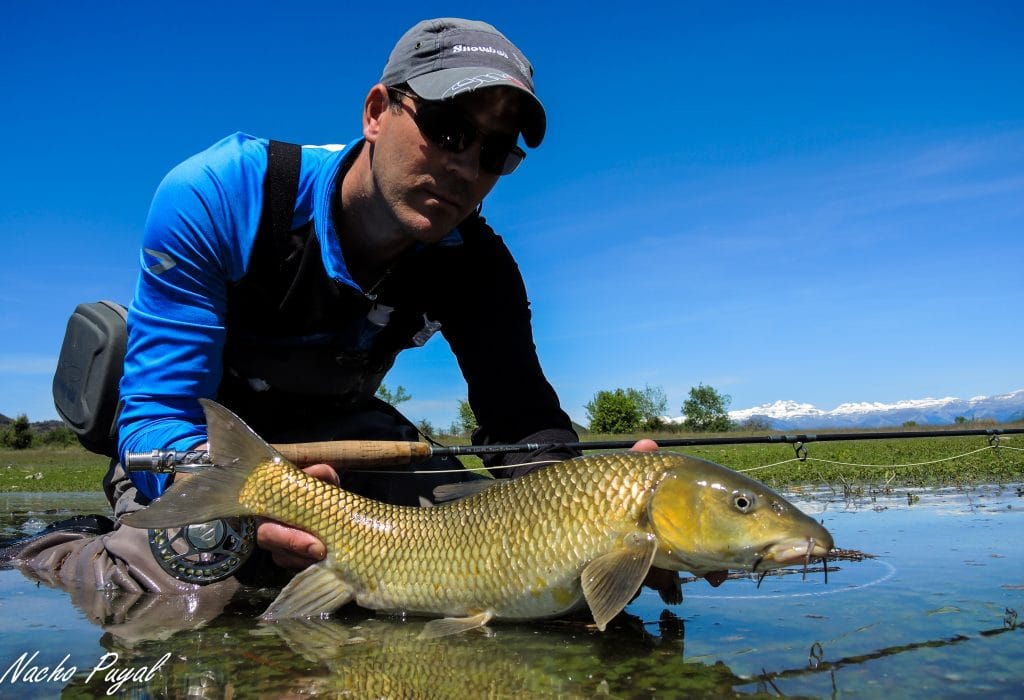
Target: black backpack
x,y
88,372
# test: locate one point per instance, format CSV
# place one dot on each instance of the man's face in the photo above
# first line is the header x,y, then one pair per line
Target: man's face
x,y
428,189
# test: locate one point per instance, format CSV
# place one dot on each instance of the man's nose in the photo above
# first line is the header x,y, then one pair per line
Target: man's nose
x,y
466,164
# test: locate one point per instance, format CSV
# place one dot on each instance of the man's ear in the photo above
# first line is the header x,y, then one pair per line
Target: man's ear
x,y
374,108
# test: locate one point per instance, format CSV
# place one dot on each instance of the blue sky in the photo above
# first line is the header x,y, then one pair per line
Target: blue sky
x,y
813,201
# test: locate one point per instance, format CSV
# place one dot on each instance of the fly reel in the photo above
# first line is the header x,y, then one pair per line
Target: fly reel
x,y
204,552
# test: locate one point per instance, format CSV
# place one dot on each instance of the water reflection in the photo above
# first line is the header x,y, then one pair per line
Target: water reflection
x,y
355,656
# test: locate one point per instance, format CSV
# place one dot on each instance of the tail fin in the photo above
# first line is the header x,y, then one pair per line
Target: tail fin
x,y
212,493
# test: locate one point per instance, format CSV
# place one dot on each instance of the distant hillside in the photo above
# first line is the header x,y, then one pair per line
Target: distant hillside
x,y
36,426
44,425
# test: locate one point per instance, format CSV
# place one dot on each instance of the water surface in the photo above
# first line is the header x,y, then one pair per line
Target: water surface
x,y
935,614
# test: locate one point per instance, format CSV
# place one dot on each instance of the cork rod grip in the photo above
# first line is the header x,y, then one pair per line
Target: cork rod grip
x,y
354,453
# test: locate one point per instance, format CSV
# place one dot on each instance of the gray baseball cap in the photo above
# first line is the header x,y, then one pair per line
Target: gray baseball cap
x,y
442,58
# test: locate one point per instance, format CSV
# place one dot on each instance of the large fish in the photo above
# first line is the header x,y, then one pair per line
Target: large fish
x,y
584,531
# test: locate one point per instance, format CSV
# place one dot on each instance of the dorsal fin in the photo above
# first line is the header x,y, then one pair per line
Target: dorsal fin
x,y
231,440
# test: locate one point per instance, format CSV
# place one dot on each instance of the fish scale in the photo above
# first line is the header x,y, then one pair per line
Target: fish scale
x,y
421,559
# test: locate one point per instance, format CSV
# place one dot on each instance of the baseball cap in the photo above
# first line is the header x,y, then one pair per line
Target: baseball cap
x,y
442,58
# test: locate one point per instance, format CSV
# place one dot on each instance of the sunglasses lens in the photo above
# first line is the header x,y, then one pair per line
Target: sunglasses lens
x,y
500,159
446,128
449,129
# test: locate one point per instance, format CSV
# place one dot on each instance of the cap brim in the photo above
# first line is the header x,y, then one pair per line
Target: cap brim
x,y
451,82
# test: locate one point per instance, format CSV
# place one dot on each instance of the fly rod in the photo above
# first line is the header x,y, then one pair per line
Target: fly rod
x,y
343,454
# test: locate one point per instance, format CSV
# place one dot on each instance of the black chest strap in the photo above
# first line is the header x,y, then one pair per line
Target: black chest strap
x,y
280,190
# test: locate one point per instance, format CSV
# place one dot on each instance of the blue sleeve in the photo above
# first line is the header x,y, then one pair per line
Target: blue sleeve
x,y
200,229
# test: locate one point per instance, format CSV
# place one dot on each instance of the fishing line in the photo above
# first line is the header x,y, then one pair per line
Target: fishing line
x,y
890,571
769,466
456,470
911,464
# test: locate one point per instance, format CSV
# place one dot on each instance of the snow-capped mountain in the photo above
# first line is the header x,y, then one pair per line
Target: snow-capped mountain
x,y
790,415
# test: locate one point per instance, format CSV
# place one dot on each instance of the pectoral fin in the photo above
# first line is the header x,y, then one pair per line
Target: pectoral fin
x,y
610,581
454,625
315,590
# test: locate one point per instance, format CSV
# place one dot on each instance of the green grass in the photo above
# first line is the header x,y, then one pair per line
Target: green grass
x,y
915,462
51,469
904,462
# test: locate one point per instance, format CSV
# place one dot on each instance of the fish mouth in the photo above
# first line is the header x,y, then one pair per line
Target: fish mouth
x,y
794,550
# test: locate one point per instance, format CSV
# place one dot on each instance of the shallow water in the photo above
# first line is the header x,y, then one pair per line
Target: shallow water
x,y
934,615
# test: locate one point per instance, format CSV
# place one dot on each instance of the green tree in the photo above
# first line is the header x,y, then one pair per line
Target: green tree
x,y
707,410
652,404
425,427
400,395
18,434
614,412
467,419
61,436
756,424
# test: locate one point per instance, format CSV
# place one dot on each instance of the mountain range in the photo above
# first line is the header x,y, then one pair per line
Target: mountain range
x,y
791,415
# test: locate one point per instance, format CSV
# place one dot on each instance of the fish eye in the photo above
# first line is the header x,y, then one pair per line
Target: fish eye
x,y
744,501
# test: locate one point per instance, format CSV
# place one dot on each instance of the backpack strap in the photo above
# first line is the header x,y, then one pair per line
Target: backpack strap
x,y
280,190
281,185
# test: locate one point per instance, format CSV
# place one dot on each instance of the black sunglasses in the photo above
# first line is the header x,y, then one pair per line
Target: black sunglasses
x,y
449,128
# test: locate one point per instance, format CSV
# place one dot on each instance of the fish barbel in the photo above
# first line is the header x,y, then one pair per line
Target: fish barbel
x,y
583,531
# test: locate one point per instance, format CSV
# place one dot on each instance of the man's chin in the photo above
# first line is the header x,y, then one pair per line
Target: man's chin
x,y
432,226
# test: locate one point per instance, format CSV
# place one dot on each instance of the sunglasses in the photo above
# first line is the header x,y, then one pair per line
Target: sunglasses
x,y
448,128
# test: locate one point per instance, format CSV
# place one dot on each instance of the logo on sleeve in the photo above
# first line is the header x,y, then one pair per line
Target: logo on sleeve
x,y
164,261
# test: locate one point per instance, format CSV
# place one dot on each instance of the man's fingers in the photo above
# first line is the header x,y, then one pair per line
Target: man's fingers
x,y
324,472
289,547
644,445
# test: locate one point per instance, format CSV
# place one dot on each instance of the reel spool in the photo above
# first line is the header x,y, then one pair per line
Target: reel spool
x,y
204,552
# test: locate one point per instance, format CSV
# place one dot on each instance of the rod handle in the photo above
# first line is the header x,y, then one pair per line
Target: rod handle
x,y
343,454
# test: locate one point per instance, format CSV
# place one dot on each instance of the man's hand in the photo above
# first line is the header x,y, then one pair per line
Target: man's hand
x,y
290,547
644,445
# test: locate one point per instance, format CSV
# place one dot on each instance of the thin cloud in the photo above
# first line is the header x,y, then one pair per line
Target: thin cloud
x,y
27,364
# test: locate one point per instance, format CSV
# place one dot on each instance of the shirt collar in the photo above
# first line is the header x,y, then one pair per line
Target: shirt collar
x,y
325,182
